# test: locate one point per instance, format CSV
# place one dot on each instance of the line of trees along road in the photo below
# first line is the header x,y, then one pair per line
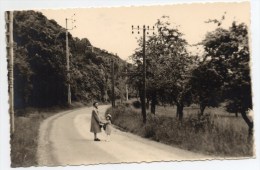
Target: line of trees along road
x,y
221,74
40,76
174,76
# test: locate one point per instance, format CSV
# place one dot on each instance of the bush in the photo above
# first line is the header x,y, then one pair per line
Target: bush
x,y
200,123
149,131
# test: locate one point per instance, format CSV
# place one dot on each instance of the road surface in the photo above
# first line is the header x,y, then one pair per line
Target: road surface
x,y
65,139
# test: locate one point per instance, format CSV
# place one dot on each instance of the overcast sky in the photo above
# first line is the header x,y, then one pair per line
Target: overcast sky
x,y
110,28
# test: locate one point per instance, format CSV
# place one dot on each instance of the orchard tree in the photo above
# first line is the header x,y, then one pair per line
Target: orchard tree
x,y
228,52
206,86
168,66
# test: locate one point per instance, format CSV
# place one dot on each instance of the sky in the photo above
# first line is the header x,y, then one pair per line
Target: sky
x,y
110,28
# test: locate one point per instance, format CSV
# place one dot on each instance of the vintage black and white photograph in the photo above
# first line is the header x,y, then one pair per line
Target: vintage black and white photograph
x,y
130,84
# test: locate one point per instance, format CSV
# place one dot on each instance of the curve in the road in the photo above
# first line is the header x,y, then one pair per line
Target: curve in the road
x,y
65,139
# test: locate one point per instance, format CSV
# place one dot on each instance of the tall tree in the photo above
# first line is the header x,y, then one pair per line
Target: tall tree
x,y
228,53
168,65
40,76
206,86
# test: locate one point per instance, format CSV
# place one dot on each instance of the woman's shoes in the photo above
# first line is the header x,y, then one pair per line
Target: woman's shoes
x,y
96,139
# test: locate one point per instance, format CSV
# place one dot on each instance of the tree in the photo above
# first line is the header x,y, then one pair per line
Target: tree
x,y
168,65
45,75
206,87
40,75
228,53
22,73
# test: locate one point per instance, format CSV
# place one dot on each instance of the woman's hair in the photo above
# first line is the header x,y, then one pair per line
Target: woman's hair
x,y
94,104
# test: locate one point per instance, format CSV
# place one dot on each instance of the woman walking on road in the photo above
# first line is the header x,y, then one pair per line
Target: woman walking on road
x,y
96,123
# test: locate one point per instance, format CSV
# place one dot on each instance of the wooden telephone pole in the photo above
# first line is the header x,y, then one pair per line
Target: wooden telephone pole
x,y
113,82
10,45
112,66
143,98
126,89
68,56
68,63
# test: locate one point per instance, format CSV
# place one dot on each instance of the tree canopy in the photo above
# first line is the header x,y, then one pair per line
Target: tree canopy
x,y
40,75
227,52
168,65
220,74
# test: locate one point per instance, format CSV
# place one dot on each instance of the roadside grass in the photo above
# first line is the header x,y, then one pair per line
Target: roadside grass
x,y
216,133
24,141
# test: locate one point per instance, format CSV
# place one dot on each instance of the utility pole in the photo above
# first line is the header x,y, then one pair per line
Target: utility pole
x,y
126,88
144,69
68,57
10,45
113,82
112,66
68,63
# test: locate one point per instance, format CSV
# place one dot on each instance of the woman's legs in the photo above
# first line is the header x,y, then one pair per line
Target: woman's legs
x,y
95,137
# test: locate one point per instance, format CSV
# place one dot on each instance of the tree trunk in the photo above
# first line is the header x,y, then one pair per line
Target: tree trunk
x,y
180,111
106,96
153,102
153,108
177,112
202,108
147,103
236,114
249,123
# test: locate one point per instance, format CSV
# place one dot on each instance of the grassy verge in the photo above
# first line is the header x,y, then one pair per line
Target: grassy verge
x,y
210,134
24,141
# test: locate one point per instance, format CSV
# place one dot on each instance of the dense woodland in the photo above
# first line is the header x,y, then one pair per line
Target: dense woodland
x,y
174,76
40,75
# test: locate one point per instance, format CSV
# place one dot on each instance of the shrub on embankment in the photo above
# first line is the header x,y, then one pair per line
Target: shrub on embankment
x,y
213,135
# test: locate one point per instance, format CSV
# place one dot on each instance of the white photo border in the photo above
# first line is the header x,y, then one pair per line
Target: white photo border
x,y
184,165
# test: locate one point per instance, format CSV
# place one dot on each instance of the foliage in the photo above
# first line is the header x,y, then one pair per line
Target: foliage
x,y
40,75
227,52
205,87
168,65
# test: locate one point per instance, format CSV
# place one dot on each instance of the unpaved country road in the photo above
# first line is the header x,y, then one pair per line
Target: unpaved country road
x,y
65,139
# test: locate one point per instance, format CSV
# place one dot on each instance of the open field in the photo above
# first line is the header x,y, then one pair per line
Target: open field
x,y
216,133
